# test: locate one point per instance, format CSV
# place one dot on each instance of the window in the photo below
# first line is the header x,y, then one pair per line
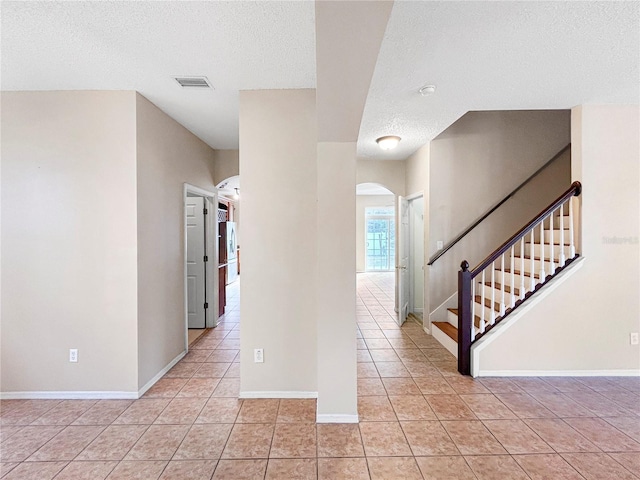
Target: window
x,y
380,238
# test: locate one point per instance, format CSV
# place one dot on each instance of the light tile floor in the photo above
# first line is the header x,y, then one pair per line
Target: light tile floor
x,y
419,420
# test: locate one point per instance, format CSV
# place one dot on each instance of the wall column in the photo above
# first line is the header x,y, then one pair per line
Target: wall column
x,y
336,292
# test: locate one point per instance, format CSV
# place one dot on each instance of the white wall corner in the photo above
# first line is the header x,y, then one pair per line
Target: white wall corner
x,y
503,326
160,374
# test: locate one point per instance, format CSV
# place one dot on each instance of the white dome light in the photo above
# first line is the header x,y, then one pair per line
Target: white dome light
x,y
388,142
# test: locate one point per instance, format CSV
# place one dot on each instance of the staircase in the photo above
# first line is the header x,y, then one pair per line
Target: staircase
x,y
509,276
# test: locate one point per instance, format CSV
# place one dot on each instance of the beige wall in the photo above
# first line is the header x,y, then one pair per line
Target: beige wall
x,y
362,202
336,320
92,235
226,164
388,173
168,156
417,172
278,167
69,241
584,324
473,165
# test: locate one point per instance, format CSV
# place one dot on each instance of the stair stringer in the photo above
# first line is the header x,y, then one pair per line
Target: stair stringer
x,y
539,296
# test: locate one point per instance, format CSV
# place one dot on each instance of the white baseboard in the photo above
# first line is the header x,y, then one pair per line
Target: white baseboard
x,y
160,374
278,394
68,395
328,418
559,373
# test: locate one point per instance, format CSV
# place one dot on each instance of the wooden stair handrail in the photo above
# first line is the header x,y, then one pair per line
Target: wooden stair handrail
x,y
450,245
466,278
574,191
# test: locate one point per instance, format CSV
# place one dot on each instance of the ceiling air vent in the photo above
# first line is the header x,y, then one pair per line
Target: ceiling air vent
x,y
193,82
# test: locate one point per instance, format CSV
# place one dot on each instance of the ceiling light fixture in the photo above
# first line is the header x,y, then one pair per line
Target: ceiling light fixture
x,y
427,90
388,142
236,196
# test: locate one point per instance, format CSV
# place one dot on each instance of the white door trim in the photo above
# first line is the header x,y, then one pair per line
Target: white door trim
x,y
211,250
412,246
402,249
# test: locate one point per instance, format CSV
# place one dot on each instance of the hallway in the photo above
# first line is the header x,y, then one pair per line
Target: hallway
x,y
418,419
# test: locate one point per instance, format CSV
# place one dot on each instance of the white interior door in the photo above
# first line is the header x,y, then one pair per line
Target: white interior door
x,y
196,285
403,260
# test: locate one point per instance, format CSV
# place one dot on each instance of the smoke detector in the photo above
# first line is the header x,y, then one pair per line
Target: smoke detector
x,y
193,82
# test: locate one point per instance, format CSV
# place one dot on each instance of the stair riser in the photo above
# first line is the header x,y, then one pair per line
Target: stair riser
x,y
487,312
556,236
538,249
497,292
507,279
452,318
537,265
564,222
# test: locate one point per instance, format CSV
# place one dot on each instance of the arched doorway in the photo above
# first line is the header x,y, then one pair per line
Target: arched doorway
x,y
228,215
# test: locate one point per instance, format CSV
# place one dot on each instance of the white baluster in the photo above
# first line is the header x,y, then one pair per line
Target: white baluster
x,y
513,276
571,243
542,267
522,268
482,304
502,303
493,293
533,262
561,258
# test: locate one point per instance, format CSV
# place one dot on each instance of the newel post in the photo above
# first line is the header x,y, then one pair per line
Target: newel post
x,y
464,319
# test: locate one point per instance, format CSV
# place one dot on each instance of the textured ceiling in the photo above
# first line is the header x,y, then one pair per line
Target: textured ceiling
x,y
496,56
481,55
140,46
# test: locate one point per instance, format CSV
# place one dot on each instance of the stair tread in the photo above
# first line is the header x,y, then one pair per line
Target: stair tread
x,y
496,305
450,330
455,312
518,272
528,257
507,288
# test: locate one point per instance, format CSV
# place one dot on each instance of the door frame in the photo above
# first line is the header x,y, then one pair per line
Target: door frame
x,y
399,283
412,244
210,201
401,246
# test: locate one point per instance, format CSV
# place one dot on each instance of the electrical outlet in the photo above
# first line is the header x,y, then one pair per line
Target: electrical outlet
x,y
633,338
258,355
73,355
439,244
